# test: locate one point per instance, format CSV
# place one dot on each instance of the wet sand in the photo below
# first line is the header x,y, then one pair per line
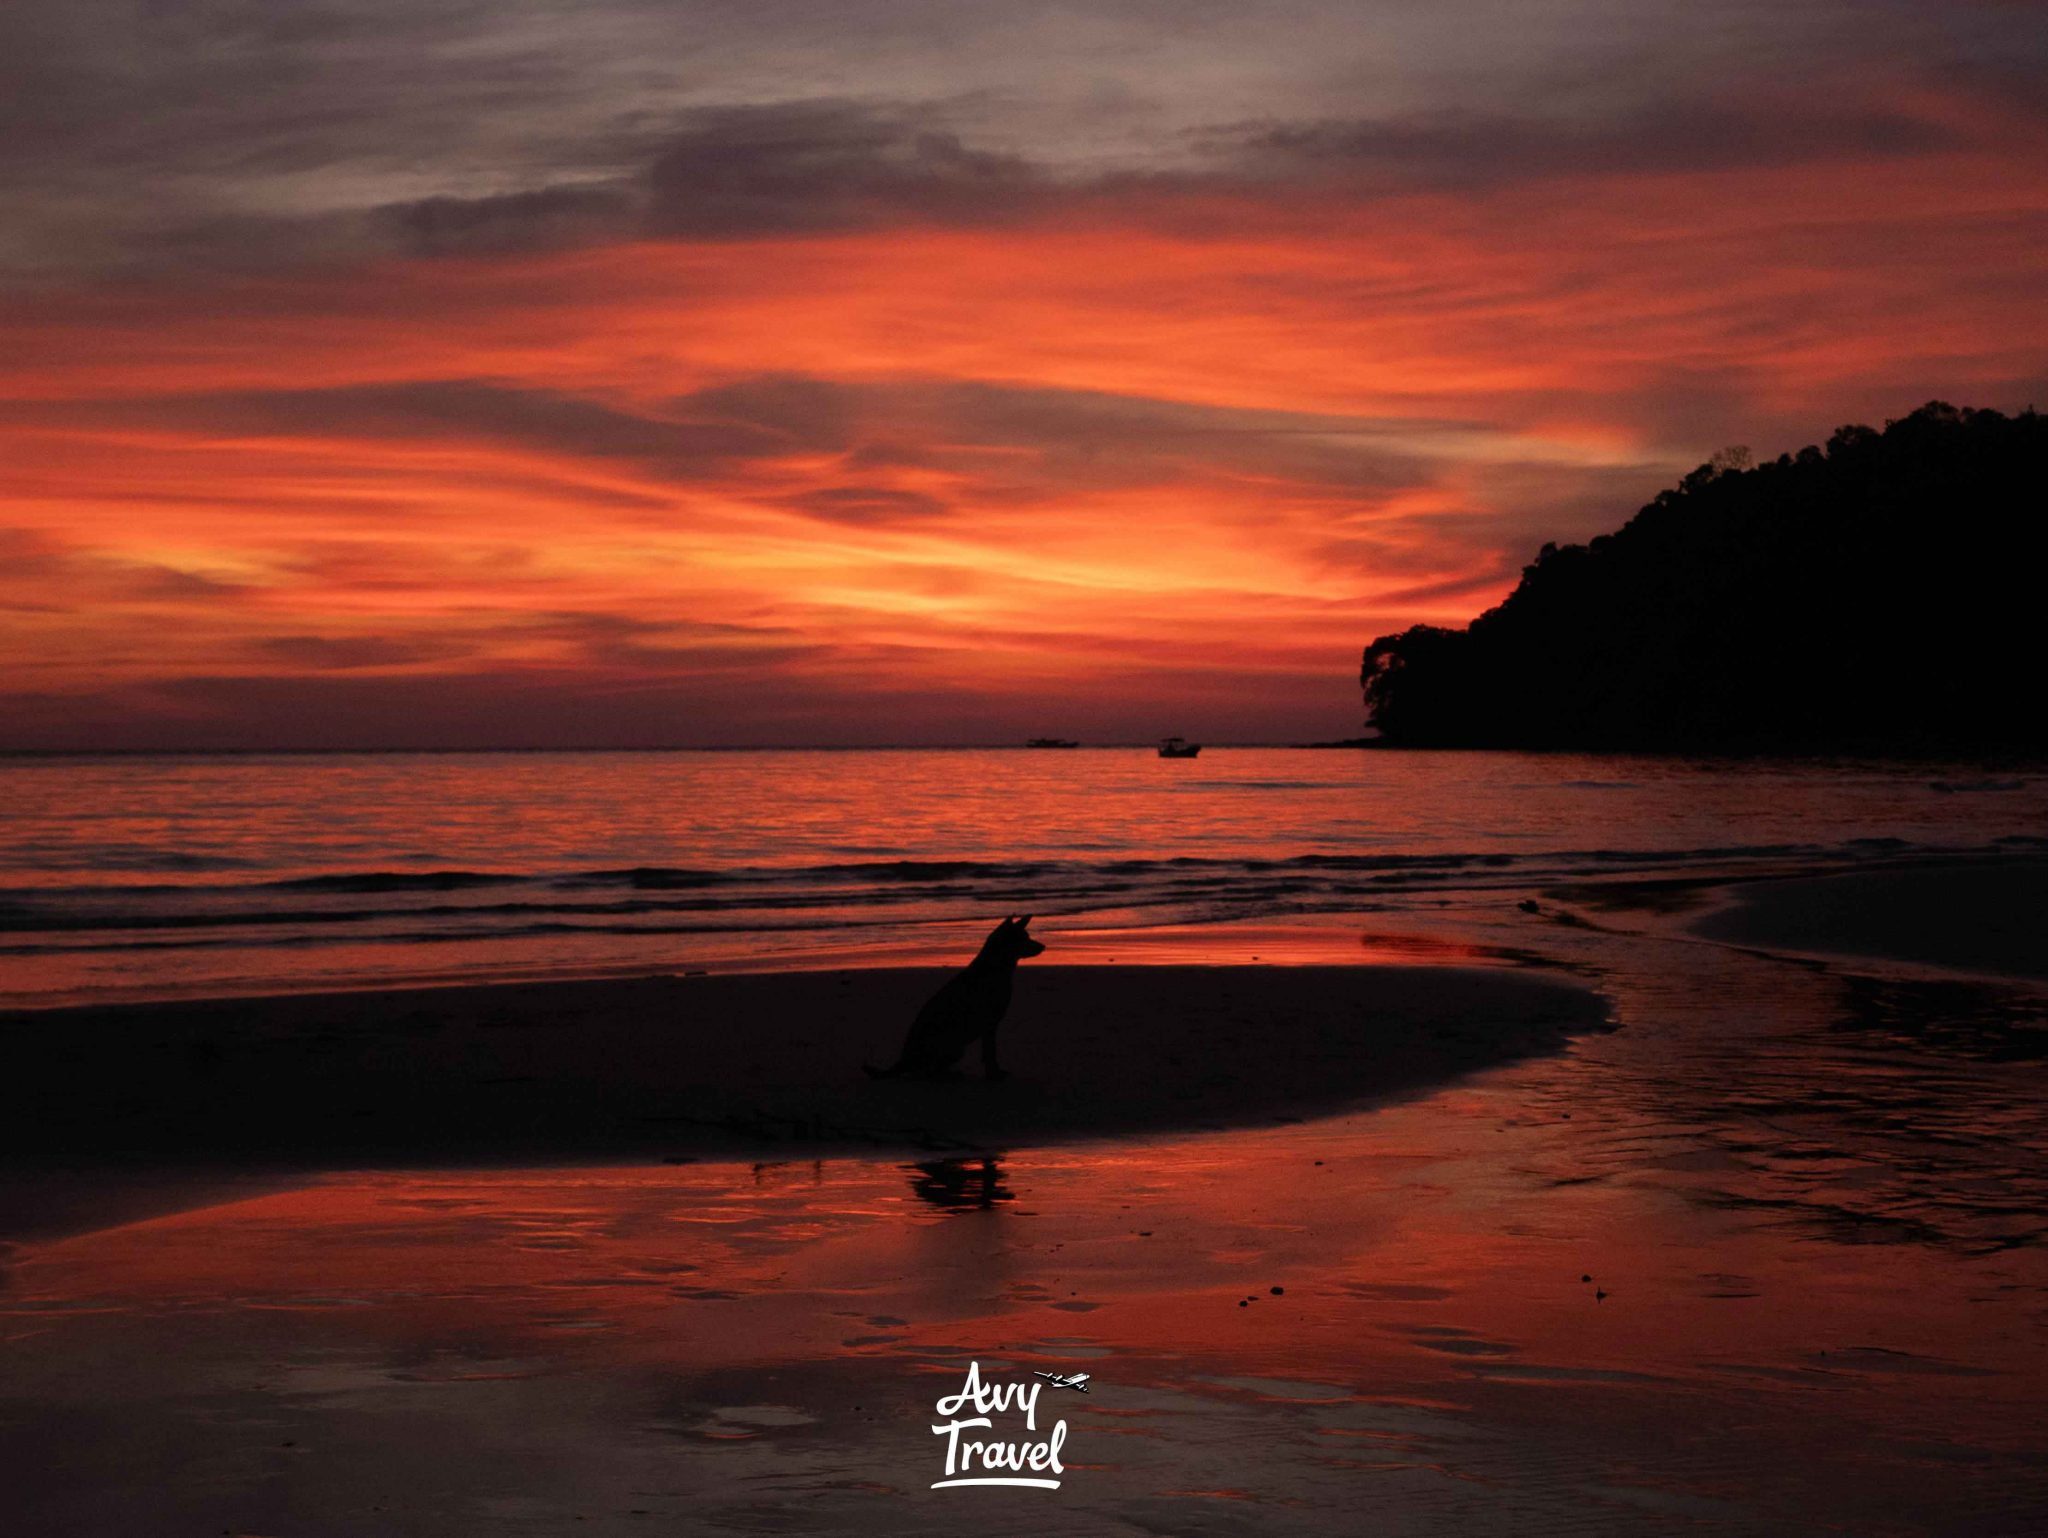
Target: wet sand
x,y
1981,915
104,1104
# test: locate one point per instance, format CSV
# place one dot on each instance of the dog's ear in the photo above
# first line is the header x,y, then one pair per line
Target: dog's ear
x,y
1025,922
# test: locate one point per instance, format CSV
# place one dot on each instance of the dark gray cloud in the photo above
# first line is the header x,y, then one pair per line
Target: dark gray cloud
x,y
813,166
249,132
511,221
737,172
825,165
1453,150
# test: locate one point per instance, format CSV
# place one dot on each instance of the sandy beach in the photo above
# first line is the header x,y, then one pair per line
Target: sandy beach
x,y
744,1065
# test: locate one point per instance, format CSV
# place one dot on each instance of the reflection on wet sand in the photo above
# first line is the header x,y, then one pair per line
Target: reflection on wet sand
x,y
1766,1261
960,1185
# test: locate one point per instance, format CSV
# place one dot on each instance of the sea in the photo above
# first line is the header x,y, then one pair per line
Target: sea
x,y
140,877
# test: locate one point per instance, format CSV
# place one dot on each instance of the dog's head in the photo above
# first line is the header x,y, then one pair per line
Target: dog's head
x,y
1011,940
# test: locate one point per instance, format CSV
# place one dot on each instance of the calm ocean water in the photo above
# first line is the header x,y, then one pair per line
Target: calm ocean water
x,y
145,877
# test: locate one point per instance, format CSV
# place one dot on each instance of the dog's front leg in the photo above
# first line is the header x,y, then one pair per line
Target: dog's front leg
x,y
990,1069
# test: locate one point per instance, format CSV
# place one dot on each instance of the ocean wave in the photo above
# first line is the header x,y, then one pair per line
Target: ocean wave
x,y
394,881
477,903
920,870
651,877
668,878
910,877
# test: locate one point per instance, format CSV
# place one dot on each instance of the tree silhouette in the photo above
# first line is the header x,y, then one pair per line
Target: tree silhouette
x,y
1880,595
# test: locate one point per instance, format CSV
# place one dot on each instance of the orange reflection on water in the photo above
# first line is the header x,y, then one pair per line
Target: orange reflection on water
x,y
135,879
1430,1254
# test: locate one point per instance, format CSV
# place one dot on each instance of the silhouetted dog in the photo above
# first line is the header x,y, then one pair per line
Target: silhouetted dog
x,y
971,1004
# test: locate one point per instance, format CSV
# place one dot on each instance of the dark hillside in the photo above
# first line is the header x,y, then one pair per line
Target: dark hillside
x,y
1883,594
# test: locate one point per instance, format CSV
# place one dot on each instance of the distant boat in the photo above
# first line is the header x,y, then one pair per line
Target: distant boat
x,y
1178,747
1052,742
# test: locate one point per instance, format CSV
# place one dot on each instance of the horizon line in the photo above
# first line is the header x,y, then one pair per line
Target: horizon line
x,y
718,747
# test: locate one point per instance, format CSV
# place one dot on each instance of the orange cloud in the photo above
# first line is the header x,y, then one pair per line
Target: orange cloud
x,y
1154,460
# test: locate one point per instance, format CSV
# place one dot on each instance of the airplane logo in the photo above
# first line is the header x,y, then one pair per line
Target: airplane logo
x,y
1077,1380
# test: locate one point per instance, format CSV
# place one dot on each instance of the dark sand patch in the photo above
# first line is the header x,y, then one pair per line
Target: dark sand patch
x,y
1984,915
672,1067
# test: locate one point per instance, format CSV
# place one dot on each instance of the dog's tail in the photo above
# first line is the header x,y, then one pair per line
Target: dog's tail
x,y
880,1073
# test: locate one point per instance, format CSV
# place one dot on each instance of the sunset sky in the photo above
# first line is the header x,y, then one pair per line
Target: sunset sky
x,y
634,372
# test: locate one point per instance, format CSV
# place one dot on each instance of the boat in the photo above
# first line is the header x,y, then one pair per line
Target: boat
x,y
1178,747
1052,742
